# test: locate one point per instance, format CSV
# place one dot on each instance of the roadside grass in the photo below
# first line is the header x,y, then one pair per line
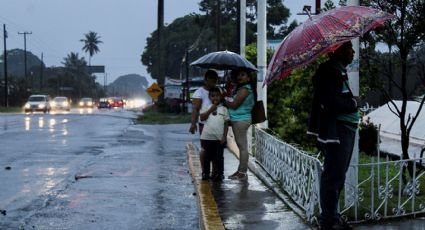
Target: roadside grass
x,y
10,109
154,117
380,189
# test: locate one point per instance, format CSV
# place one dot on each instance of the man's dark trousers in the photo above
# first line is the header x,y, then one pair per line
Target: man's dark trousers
x,y
337,160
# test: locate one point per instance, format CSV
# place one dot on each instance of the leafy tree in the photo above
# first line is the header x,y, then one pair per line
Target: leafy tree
x,y
289,103
196,33
72,61
74,75
406,31
178,37
91,42
329,4
277,15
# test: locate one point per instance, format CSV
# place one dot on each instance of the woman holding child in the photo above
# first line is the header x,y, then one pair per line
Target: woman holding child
x,y
240,107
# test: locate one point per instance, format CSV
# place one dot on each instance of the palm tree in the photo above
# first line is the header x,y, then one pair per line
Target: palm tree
x,y
72,61
91,42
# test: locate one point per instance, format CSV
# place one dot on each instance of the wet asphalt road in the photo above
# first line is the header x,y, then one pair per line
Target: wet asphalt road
x,y
94,171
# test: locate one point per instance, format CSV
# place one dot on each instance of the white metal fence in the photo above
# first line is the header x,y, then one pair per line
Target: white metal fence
x,y
295,171
380,193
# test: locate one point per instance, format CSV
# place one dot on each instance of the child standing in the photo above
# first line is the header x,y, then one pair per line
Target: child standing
x,y
214,134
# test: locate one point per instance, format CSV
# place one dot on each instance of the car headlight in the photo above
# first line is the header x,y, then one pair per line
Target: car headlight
x,y
53,104
81,103
65,103
41,106
27,106
89,103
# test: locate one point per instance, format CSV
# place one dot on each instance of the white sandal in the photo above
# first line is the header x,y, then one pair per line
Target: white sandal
x,y
239,176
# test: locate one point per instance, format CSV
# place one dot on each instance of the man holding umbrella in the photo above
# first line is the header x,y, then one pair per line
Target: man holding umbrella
x,y
334,116
334,119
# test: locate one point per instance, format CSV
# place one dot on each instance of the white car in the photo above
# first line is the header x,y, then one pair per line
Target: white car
x,y
86,102
60,103
39,103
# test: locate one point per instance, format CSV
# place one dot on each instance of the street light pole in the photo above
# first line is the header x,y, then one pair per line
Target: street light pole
x,y
261,54
187,101
353,77
218,22
41,72
242,31
6,86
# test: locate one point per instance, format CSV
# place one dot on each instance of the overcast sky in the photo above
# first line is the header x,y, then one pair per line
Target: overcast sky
x,y
58,25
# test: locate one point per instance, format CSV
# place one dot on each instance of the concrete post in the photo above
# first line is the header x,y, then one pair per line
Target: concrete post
x,y
242,31
353,77
262,54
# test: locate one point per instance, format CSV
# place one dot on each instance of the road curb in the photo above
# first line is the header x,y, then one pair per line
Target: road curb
x,y
209,217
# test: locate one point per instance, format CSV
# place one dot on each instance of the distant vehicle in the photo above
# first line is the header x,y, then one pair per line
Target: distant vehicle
x,y
103,103
116,102
60,103
39,103
86,102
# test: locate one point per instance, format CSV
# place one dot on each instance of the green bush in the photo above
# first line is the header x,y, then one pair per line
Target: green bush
x,y
368,141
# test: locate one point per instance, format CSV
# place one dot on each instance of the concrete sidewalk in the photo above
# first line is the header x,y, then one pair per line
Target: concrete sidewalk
x,y
251,204
233,204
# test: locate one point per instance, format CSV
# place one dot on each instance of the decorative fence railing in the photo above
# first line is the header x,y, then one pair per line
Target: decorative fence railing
x,y
379,194
295,171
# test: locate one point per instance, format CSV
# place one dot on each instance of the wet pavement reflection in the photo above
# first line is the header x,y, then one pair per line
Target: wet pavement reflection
x,y
250,204
94,171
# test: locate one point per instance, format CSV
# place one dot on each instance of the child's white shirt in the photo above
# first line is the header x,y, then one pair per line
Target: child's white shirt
x,y
214,125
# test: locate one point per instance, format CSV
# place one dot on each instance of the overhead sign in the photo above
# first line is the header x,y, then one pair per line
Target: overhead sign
x,y
95,69
154,90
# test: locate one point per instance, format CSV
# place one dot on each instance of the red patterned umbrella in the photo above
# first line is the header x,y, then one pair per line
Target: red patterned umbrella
x,y
322,34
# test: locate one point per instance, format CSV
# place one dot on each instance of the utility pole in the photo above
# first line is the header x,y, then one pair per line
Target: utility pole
x,y
187,101
318,5
160,28
25,51
104,81
6,87
261,54
242,27
218,15
41,72
353,77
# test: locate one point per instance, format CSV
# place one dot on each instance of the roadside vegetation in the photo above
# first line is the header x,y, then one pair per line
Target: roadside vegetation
x,y
372,189
14,109
73,79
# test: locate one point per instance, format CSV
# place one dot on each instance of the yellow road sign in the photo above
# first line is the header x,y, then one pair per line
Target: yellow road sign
x,y
154,90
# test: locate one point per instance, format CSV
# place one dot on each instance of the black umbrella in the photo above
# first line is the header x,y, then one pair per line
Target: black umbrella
x,y
223,60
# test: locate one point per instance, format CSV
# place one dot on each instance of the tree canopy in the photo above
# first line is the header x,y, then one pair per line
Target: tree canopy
x,y
197,34
91,44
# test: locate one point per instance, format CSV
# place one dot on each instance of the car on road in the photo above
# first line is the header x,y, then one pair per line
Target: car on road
x,y
103,103
39,103
86,102
60,103
116,102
